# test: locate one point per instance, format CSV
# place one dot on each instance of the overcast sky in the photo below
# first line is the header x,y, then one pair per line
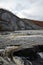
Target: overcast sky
x,y
31,9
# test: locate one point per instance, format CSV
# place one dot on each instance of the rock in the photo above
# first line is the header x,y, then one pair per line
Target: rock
x,y
21,47
33,24
10,22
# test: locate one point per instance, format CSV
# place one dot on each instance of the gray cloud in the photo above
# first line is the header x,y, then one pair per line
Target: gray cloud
x,y
34,12
24,8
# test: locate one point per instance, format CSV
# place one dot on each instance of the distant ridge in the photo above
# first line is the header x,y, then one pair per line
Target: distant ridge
x,y
37,22
10,22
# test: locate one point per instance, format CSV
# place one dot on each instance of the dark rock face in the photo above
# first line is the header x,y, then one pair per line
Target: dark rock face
x,y
10,22
27,56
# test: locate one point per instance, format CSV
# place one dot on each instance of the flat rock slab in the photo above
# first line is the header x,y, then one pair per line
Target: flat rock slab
x,y
24,38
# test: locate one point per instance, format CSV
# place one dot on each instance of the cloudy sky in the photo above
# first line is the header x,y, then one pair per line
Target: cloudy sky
x,y
31,9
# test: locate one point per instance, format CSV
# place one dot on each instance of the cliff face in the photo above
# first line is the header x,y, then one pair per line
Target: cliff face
x,y
10,22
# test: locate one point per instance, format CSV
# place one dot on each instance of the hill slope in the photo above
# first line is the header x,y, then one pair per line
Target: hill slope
x,y
10,22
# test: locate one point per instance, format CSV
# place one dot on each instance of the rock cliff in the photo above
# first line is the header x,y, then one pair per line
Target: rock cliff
x,y
10,22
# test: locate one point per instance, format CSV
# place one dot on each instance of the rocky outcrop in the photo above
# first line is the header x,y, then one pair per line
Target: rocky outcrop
x,y
10,22
21,48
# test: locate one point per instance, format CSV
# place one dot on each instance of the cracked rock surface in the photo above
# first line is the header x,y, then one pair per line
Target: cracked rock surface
x,y
21,48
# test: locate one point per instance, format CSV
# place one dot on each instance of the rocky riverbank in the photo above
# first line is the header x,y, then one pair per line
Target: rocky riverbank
x,y
21,47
